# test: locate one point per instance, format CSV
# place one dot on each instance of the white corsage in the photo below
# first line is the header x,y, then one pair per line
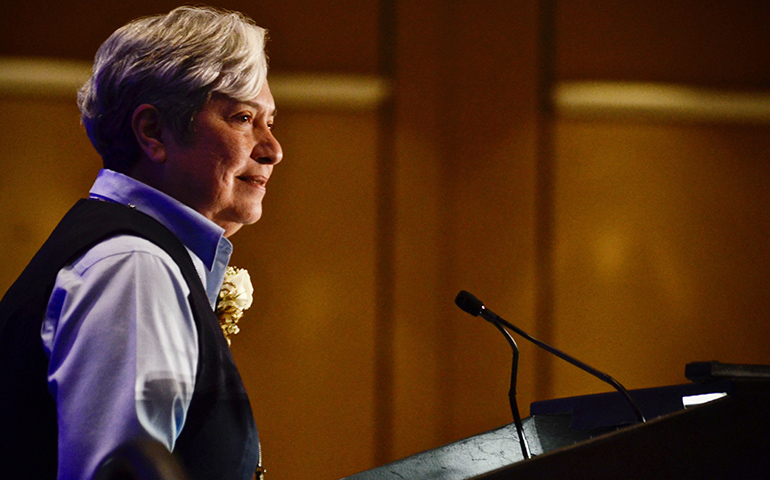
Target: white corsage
x,y
236,296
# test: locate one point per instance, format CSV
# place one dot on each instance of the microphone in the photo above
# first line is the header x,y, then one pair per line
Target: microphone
x,y
470,304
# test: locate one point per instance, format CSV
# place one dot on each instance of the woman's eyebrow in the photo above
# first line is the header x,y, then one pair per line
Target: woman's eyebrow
x,y
259,107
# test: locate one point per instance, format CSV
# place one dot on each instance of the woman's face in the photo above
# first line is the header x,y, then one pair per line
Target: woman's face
x,y
223,171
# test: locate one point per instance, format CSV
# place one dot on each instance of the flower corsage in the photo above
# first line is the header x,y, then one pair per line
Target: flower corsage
x,y
235,297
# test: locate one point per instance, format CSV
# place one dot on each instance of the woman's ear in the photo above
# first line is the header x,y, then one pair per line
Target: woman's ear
x,y
146,123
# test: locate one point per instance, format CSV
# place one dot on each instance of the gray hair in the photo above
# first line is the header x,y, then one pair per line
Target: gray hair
x,y
174,62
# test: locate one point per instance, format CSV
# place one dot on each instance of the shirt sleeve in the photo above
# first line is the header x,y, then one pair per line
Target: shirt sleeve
x,y
123,351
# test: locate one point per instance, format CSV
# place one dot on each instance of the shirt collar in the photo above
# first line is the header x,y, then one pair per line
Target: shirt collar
x,y
202,236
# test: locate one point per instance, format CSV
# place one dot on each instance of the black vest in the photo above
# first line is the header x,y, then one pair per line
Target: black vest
x,y
219,439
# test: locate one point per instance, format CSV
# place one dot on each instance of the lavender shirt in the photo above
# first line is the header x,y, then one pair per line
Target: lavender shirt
x,y
120,333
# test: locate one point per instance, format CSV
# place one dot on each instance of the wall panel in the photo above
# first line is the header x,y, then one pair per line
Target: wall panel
x,y
47,164
661,248
306,349
721,44
465,97
322,35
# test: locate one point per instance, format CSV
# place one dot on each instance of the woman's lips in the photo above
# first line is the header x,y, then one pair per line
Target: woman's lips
x,y
259,181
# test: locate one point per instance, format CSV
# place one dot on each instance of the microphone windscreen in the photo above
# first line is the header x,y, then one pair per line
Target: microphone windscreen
x,y
468,303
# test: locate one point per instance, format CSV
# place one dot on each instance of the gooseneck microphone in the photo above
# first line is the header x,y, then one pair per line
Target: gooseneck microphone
x,y
470,304
512,392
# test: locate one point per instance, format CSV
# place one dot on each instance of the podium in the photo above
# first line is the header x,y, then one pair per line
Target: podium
x,y
595,437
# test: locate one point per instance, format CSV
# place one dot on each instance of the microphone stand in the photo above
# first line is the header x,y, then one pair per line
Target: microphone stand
x,y
512,392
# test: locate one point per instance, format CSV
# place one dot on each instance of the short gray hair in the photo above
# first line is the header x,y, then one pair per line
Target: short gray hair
x,y
174,62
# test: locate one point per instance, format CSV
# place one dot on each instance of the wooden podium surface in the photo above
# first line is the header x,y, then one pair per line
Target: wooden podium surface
x,y
590,437
725,439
